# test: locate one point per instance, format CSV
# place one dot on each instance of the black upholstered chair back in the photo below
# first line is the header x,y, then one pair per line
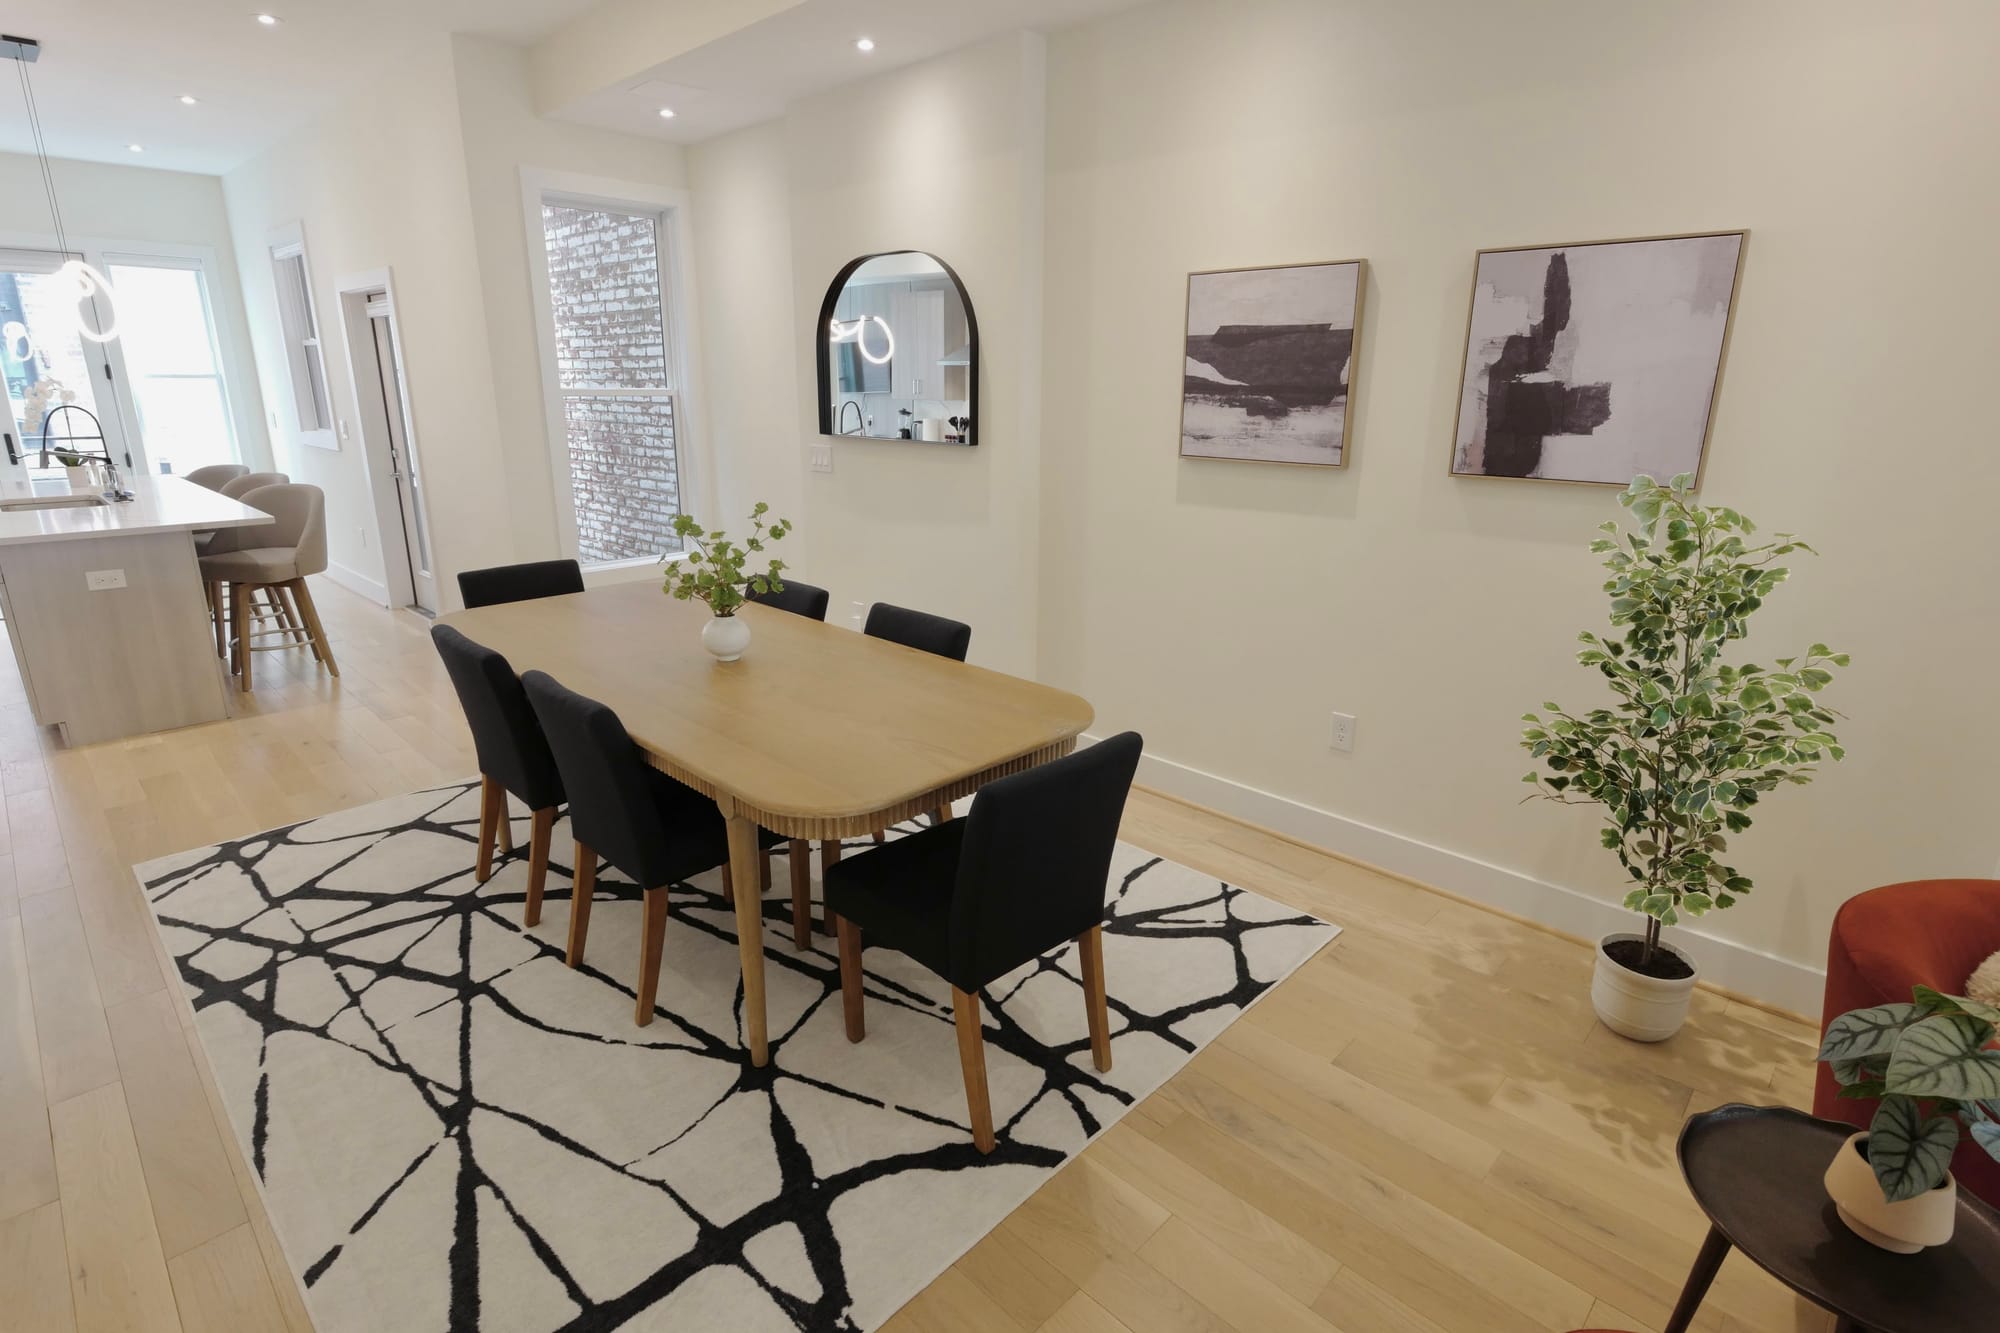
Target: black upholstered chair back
x,y
919,629
519,583
1037,851
801,599
509,741
612,806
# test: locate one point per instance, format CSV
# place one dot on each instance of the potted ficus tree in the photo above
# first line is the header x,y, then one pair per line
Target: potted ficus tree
x,y
1688,743
710,570
1931,1068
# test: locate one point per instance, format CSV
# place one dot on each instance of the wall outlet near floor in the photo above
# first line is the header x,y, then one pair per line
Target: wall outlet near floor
x,y
103,580
1342,735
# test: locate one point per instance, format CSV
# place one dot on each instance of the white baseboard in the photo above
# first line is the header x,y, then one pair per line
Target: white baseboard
x,y
373,589
1735,967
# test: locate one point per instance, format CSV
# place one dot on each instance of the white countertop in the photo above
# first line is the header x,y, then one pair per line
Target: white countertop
x,y
161,504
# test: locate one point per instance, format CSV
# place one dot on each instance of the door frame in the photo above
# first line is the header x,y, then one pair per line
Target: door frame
x,y
364,387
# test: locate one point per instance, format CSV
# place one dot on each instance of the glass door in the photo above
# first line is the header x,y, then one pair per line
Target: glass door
x,y
47,364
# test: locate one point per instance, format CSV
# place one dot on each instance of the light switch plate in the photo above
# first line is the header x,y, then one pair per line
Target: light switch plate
x,y
103,580
822,458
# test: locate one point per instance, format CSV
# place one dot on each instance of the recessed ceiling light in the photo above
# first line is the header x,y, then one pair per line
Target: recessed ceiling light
x,y
188,101
268,20
864,44
666,113
134,148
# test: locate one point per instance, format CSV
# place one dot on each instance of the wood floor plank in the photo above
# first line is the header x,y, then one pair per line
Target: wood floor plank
x,y
27,1157
1020,1281
1080,1314
69,1015
1231,1290
220,1286
118,1277
34,1272
187,1173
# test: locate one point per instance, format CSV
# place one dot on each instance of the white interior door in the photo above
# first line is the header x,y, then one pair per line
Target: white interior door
x,y
47,361
402,457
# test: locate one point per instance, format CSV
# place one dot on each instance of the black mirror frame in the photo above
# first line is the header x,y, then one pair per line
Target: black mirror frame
x,y
821,359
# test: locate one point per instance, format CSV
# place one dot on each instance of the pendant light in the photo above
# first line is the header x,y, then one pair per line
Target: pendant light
x,y
93,289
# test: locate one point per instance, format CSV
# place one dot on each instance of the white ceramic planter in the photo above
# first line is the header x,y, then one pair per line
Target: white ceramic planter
x,y
83,478
1640,1007
1905,1227
726,637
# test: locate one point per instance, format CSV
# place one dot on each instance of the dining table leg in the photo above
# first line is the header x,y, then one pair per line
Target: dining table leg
x,y
743,866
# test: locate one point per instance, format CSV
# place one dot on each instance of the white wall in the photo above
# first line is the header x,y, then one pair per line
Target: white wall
x,y
1225,609
381,183
116,206
502,136
944,156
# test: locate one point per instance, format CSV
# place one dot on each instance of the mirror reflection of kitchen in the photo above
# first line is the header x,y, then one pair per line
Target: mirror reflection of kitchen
x,y
899,353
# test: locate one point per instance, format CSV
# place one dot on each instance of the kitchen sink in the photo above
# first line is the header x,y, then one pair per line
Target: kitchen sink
x,y
85,501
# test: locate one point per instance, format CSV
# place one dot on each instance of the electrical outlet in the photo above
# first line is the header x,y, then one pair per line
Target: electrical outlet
x,y
857,612
1342,736
103,580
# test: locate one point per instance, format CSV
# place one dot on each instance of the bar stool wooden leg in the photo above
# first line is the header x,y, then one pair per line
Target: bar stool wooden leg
x,y
579,903
538,864
799,854
239,618
303,595
289,608
490,798
220,617
654,931
850,980
1090,955
972,1063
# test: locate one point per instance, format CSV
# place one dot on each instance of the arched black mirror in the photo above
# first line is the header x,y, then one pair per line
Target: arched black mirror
x,y
899,352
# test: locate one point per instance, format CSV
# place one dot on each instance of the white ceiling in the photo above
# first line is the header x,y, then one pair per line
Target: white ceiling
x,y
752,74
112,71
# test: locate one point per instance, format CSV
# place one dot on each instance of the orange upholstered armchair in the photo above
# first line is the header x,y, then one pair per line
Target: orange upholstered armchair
x,y
1932,932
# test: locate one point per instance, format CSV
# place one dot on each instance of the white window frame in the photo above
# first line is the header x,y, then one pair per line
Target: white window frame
x,y
669,208
99,252
202,264
289,242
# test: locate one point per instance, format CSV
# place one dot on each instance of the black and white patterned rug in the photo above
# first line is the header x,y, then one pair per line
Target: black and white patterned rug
x,y
454,1131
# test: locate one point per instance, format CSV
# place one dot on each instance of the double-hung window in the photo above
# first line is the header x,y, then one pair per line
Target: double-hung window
x,y
167,336
299,323
610,304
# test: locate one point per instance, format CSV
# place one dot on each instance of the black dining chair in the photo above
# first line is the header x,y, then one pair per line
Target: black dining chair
x,y
919,629
519,583
513,757
801,599
656,830
975,898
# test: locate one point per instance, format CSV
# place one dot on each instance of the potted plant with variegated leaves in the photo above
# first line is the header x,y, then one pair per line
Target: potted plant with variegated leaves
x,y
1689,743
710,570
1930,1067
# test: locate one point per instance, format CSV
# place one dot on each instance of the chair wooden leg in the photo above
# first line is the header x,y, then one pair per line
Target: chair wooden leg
x,y
941,814
728,885
829,857
506,824
579,903
972,1063
654,929
489,820
880,837
764,869
850,979
799,854
304,597
1090,954
542,827
239,623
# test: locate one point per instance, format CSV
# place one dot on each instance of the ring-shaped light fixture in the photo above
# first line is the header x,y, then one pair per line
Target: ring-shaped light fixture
x,y
857,333
90,286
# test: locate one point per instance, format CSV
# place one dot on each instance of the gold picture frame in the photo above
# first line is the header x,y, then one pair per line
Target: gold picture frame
x,y
1346,445
1714,390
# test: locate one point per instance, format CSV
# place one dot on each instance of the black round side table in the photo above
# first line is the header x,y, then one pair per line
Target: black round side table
x,y
1755,1170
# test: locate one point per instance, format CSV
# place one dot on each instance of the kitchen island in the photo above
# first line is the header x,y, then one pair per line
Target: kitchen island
x,y
104,605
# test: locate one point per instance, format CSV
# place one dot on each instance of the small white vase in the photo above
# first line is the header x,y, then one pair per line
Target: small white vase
x,y
1633,1005
1904,1227
726,637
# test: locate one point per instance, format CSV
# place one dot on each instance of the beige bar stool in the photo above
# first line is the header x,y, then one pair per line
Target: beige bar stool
x,y
291,548
238,487
214,475
235,488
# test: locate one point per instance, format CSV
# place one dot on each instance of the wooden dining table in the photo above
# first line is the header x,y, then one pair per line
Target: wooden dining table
x,y
817,732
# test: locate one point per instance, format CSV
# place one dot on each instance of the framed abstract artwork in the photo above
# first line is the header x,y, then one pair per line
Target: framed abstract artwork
x,y
1268,362
1597,362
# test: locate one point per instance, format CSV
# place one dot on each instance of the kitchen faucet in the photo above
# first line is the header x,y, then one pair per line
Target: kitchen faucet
x,y
860,418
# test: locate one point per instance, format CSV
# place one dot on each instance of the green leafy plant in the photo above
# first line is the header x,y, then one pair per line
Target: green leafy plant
x,y
711,571
70,457
1930,1064
1689,743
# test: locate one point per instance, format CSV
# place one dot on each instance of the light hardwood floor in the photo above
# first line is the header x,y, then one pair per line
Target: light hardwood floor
x,y
1422,1130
